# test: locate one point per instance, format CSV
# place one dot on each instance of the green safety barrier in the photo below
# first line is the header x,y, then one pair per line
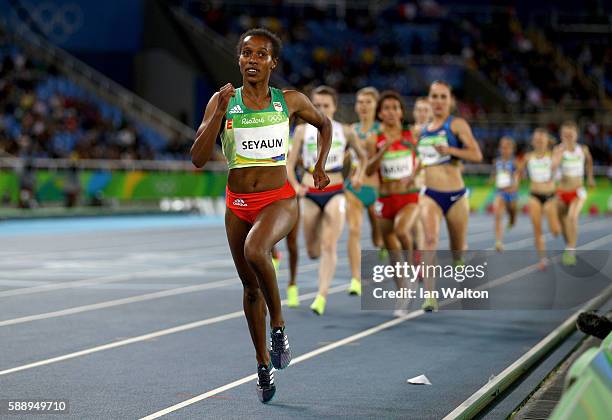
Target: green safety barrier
x,y
121,185
588,386
143,185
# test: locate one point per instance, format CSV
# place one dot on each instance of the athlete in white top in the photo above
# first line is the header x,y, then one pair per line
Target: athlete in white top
x,y
542,200
323,211
571,159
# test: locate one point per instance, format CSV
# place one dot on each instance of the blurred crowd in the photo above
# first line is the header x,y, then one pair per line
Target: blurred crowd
x,y
37,122
362,48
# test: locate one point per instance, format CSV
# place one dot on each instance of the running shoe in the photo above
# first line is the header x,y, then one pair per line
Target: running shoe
x,y
568,258
430,305
293,300
280,352
318,305
383,254
401,308
265,383
276,264
355,287
398,313
499,247
543,264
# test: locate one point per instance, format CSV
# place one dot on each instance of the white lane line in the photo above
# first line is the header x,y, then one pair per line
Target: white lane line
x,y
116,302
155,272
521,229
133,299
475,403
596,243
585,227
95,265
152,335
324,349
164,332
134,241
302,358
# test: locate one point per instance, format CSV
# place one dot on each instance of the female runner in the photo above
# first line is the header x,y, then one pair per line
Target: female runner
x,y
364,198
506,182
571,158
261,205
441,145
393,154
323,211
542,199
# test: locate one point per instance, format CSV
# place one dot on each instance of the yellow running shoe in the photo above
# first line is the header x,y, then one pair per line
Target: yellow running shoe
x,y
430,305
318,305
355,287
276,264
499,246
293,300
383,254
568,257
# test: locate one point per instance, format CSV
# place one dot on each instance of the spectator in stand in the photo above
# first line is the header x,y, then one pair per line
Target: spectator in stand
x,y
54,125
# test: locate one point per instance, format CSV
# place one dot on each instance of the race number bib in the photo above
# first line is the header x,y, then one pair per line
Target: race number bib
x,y
260,136
396,165
503,179
428,153
540,170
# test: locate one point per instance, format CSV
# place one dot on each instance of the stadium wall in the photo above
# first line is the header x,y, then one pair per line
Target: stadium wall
x,y
156,185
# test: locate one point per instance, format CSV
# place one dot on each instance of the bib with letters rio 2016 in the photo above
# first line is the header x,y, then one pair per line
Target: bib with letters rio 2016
x,y
256,138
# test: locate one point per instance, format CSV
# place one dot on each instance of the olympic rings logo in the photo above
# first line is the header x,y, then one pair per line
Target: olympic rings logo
x,y
275,118
58,22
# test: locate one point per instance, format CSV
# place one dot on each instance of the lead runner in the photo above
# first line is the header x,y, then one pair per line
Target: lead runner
x,y
261,204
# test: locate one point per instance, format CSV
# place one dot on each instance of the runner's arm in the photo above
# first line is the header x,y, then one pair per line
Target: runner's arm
x,y
294,154
374,161
588,161
471,150
350,134
300,105
206,136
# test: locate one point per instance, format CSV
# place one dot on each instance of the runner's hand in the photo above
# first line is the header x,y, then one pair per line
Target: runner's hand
x,y
321,180
442,149
225,94
301,190
591,182
408,180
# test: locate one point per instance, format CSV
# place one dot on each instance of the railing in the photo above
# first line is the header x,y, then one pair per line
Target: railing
x,y
13,163
223,45
86,76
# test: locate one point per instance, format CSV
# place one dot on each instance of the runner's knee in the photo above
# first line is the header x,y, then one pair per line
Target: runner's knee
x,y
354,230
328,246
405,238
255,254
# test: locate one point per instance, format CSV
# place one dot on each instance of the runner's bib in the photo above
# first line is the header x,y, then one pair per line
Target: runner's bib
x,y
503,179
428,154
572,163
540,169
256,138
396,165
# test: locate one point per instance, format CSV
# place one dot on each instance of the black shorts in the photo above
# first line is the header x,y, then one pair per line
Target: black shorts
x,y
542,198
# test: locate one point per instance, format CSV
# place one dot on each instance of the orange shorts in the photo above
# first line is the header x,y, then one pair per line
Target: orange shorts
x,y
568,196
388,206
248,206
